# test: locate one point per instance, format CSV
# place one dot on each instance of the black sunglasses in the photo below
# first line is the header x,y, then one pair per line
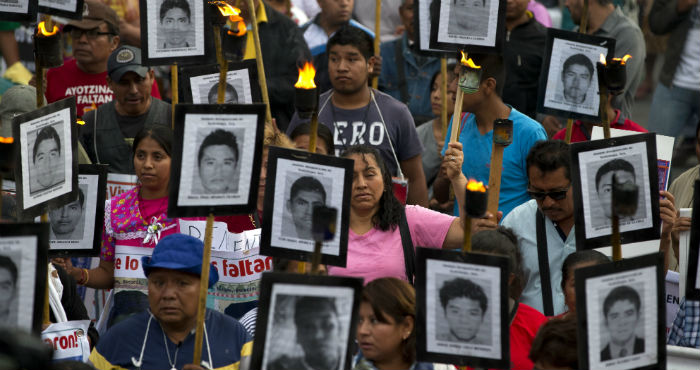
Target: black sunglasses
x,y
556,195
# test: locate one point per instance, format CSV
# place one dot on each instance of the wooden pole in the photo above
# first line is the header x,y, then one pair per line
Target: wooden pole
x,y
173,92
313,134
604,111
467,242
495,178
223,67
616,244
39,85
203,289
377,37
569,128
46,316
259,61
443,96
457,115
316,258
583,27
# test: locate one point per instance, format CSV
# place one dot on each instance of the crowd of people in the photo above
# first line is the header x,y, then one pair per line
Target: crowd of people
x,y
405,180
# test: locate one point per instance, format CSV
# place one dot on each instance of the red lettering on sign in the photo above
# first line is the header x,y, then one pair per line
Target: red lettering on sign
x,y
118,263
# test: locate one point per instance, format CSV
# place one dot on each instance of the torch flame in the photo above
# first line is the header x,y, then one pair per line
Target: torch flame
x,y
80,122
233,14
6,140
42,30
306,77
602,59
623,60
468,62
474,185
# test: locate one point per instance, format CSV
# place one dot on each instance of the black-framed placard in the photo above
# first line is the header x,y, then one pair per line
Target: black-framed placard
x,y
569,74
422,28
201,83
297,181
48,172
72,9
76,227
692,285
295,310
472,26
19,10
216,159
621,313
23,274
594,164
175,32
462,308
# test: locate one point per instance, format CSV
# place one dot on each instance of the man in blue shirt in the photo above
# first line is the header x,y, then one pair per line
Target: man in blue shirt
x,y
476,135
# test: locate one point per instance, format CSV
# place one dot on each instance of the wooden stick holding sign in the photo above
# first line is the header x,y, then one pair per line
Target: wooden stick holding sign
x,y
469,79
502,137
475,203
624,203
582,29
377,35
203,289
259,61
323,225
174,92
443,96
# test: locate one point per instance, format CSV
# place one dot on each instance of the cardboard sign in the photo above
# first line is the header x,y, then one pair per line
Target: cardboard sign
x,y
118,183
69,340
673,299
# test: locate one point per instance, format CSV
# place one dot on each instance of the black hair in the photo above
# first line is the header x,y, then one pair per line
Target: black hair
x,y
617,164
556,344
450,75
305,305
503,242
388,214
219,137
8,264
46,133
162,135
307,183
458,288
549,156
81,197
353,36
579,59
323,132
621,293
579,257
172,4
214,90
491,67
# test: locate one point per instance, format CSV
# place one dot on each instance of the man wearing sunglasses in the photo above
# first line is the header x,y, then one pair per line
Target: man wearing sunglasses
x,y
93,39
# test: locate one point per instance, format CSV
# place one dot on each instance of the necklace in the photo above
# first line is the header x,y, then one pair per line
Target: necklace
x,y
167,351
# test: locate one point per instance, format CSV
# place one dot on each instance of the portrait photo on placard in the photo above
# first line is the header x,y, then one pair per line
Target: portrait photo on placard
x,y
623,305
172,30
631,162
76,227
569,74
202,83
220,155
72,9
23,271
305,321
298,181
468,24
462,314
422,26
47,144
18,10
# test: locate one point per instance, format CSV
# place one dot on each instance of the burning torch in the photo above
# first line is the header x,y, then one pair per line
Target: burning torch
x,y
47,54
468,82
612,76
229,44
475,202
502,137
306,101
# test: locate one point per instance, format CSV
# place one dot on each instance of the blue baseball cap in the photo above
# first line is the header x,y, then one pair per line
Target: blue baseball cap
x,y
179,252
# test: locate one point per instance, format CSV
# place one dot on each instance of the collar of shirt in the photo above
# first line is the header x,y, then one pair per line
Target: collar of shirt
x,y
629,347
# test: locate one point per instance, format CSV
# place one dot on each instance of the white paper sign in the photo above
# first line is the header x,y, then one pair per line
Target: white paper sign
x,y
118,183
672,298
69,340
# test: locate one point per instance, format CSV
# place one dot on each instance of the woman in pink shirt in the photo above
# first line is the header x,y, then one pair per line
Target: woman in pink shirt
x,y
375,245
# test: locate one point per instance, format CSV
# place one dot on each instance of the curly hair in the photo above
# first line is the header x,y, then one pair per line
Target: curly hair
x,y
389,212
458,288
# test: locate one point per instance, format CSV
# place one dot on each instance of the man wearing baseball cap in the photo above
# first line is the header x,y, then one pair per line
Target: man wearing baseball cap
x,y
109,130
93,39
163,336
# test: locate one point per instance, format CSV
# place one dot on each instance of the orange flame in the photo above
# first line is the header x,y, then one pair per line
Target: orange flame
x,y
602,59
233,14
42,30
474,185
468,62
306,77
80,122
6,140
622,60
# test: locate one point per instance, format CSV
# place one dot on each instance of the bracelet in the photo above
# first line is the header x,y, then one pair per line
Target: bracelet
x,y
87,276
84,277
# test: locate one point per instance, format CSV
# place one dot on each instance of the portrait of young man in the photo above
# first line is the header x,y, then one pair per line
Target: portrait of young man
x,y
621,318
46,168
576,77
230,96
67,221
217,161
464,304
619,169
8,291
175,23
306,193
469,17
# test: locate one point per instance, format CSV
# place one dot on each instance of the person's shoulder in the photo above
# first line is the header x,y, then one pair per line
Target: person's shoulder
x,y
385,100
275,17
121,332
359,25
525,210
529,317
225,323
523,122
63,70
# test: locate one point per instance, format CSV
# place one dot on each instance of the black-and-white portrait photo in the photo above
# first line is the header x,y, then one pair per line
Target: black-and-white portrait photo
x,y
626,165
422,25
468,22
310,325
47,162
217,160
305,193
17,10
205,88
8,287
463,313
622,314
572,81
174,28
65,8
68,222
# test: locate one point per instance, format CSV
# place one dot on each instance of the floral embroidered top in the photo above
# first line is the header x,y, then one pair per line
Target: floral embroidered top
x,y
136,222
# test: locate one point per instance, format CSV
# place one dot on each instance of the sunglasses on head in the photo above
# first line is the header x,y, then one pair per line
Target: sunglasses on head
x,y
556,195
